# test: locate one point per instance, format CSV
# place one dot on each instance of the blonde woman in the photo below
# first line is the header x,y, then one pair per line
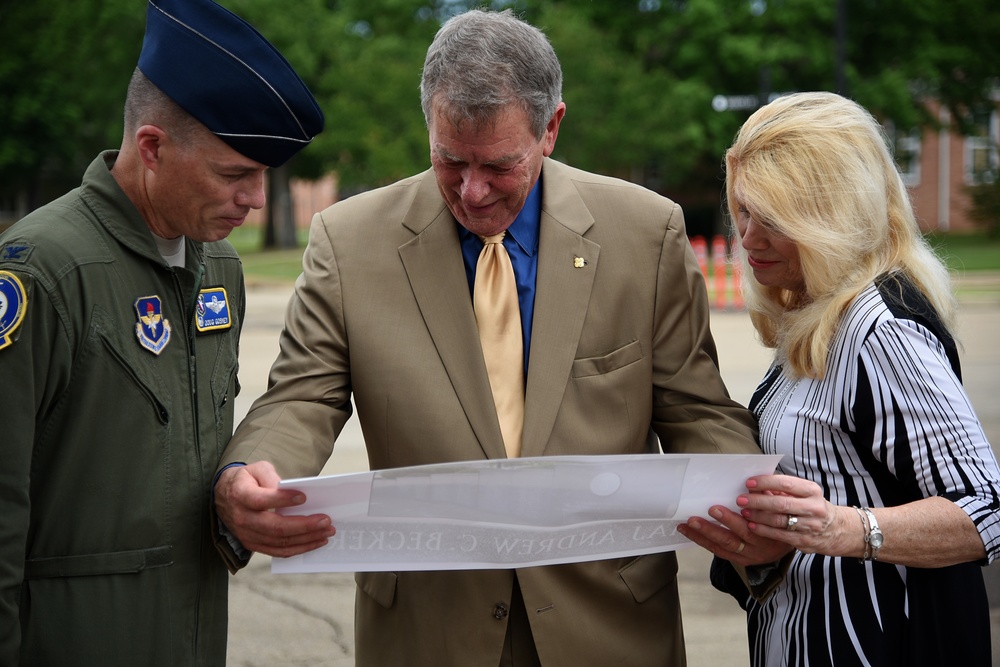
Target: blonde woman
x,y
886,505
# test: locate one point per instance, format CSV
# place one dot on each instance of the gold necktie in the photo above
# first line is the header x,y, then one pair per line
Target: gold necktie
x,y
499,320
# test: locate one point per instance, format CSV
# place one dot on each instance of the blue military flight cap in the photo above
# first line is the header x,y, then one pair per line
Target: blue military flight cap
x,y
223,72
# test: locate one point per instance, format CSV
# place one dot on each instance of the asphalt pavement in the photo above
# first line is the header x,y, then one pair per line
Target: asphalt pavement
x,y
308,619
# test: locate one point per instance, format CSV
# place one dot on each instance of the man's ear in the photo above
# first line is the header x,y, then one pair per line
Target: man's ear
x,y
552,130
149,141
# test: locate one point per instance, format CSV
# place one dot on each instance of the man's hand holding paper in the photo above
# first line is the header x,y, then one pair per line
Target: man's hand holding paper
x,y
244,498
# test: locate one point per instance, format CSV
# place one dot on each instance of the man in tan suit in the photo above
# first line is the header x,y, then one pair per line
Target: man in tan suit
x,y
619,360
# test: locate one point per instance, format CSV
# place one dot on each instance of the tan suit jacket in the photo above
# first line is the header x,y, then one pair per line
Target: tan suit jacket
x,y
620,353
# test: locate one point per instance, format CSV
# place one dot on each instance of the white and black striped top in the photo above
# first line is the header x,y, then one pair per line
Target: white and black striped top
x,y
889,424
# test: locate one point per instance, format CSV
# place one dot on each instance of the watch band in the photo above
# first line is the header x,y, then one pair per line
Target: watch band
x,y
874,538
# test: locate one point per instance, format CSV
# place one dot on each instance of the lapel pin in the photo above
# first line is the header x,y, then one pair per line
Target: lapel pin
x,y
579,262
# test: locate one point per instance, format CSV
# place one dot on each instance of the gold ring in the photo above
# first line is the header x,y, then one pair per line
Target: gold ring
x,y
739,549
792,520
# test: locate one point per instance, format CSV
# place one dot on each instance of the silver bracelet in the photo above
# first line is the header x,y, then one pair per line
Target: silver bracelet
x,y
864,527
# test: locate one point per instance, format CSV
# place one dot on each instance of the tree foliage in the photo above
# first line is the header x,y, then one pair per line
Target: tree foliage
x,y
640,76
985,209
64,70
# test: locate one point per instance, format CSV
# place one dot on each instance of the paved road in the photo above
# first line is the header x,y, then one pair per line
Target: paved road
x,y
300,620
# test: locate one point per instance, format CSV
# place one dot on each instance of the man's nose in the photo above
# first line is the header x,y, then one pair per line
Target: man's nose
x,y
252,194
475,185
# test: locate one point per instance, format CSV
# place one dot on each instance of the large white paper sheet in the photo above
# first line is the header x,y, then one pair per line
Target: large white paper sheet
x,y
511,513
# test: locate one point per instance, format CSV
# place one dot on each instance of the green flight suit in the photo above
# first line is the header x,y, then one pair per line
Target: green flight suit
x,y
111,426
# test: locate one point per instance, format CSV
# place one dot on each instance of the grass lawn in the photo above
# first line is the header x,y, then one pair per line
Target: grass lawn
x,y
967,252
266,265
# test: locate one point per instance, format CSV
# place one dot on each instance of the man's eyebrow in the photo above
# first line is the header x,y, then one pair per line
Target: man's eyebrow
x,y
514,157
239,169
442,153
506,158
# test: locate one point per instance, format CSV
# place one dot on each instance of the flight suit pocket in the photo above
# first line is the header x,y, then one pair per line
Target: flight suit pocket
x,y
89,565
146,383
73,608
225,388
221,348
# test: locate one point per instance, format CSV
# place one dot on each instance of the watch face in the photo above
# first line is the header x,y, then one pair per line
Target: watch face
x,y
876,540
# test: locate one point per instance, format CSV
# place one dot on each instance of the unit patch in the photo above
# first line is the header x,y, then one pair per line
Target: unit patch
x,y
212,311
152,329
13,305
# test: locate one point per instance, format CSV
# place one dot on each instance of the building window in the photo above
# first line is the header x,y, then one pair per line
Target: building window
x,y
906,150
908,157
981,162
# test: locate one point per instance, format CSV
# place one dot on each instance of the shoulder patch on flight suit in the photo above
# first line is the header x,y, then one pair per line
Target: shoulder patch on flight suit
x,y
152,329
212,311
13,306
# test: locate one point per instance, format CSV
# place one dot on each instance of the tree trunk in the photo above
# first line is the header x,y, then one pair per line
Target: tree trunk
x,y
279,230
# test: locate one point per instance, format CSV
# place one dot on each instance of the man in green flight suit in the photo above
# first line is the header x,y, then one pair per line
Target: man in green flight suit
x,y
121,306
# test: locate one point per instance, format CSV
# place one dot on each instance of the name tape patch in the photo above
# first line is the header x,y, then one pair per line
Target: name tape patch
x,y
212,311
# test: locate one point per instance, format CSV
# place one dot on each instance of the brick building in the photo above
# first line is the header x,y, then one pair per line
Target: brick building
x,y
937,166
308,198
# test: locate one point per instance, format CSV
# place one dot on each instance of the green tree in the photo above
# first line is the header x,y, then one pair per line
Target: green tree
x,y
620,117
903,52
985,209
362,61
299,30
63,75
640,77
379,133
897,55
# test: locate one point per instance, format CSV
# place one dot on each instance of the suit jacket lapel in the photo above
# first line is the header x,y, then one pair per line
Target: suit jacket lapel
x,y
433,264
562,294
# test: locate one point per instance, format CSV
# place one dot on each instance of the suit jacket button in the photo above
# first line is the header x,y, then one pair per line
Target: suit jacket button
x,y
500,611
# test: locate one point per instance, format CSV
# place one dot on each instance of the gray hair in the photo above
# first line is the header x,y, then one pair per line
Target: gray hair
x,y
145,104
481,62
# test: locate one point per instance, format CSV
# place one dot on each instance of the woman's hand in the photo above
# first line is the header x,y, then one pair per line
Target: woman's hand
x,y
793,511
733,539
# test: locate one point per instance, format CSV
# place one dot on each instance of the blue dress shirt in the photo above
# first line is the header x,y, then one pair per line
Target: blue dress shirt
x,y
521,243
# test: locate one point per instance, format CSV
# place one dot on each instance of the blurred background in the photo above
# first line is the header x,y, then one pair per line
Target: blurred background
x,y
655,89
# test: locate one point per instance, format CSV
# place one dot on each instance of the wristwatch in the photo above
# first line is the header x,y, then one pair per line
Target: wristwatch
x,y
874,537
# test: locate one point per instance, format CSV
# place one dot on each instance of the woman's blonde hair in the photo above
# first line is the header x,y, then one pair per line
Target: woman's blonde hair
x,y
816,168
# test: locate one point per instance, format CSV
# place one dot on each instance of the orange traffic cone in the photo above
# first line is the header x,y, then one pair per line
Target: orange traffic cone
x,y
700,248
720,270
737,283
